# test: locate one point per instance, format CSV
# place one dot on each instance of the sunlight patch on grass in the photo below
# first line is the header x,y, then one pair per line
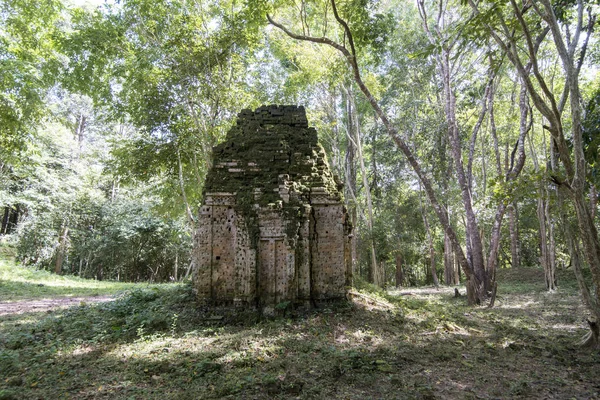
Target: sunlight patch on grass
x,y
570,328
518,306
20,282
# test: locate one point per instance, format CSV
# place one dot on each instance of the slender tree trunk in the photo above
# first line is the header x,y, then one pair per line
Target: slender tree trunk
x,y
375,274
432,270
449,278
176,267
551,275
399,272
188,210
4,229
62,249
350,187
593,200
542,212
543,237
456,271
79,133
515,248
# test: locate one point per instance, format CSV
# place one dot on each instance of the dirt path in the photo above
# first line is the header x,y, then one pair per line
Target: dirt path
x,y
49,304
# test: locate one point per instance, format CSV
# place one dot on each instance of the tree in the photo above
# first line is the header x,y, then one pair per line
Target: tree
x,y
570,26
28,64
473,266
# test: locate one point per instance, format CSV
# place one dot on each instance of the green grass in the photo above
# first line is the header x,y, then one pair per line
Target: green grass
x,y
156,343
18,283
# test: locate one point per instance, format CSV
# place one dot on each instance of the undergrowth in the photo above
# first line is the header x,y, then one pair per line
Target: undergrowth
x,y
155,342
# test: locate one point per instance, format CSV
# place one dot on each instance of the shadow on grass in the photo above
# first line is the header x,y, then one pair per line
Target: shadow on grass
x,y
157,344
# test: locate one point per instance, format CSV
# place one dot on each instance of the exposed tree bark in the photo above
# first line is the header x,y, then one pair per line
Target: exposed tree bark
x,y
449,276
10,219
432,270
593,200
188,210
375,273
515,247
456,271
399,271
4,227
350,188
62,249
176,267
114,190
79,132
542,212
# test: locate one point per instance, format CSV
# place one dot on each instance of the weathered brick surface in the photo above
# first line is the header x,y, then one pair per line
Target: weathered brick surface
x,y
273,227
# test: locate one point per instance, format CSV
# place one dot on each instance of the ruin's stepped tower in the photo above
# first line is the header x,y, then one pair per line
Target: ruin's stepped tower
x,y
273,227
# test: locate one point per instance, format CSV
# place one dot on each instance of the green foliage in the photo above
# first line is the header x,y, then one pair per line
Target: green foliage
x,y
28,63
591,136
108,240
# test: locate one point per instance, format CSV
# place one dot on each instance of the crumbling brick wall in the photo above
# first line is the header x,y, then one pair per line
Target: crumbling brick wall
x,y
273,227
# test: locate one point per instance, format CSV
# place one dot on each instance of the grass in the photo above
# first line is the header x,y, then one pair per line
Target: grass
x,y
421,343
18,283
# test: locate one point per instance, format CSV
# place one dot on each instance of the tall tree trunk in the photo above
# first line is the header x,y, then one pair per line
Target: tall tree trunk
x,y
4,228
449,278
542,212
188,210
175,277
79,133
375,273
456,271
114,189
62,249
515,247
551,283
399,271
479,283
350,188
432,270
593,200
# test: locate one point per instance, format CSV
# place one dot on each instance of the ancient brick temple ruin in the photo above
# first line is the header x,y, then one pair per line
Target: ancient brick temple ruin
x,y
273,228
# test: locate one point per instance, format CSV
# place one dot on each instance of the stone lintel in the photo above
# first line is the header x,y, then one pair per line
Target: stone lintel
x,y
220,198
323,200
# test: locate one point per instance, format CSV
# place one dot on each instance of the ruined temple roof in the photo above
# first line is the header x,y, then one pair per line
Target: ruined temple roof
x,y
270,149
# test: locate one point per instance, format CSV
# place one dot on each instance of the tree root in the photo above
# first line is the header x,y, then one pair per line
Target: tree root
x,y
369,300
493,296
590,340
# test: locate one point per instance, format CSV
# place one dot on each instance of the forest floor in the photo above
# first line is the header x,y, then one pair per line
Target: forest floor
x,y
153,342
